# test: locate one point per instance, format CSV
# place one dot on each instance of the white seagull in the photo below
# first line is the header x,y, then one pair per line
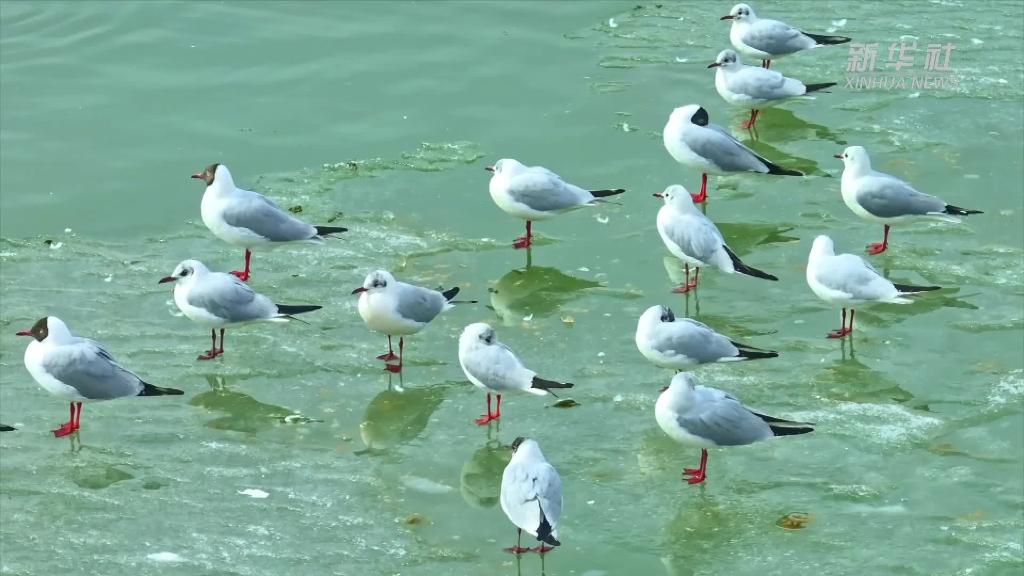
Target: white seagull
x,y
536,193
79,370
705,417
217,300
755,87
693,238
491,365
695,143
848,280
399,309
766,39
681,343
879,197
531,495
249,220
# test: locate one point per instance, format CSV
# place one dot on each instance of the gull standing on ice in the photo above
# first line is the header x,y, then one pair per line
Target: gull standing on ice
x,y
693,238
217,300
399,309
531,496
879,197
79,370
536,193
491,365
848,279
681,343
696,143
753,87
247,219
766,39
705,417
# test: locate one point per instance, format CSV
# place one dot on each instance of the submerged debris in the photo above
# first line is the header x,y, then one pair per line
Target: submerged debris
x,y
794,521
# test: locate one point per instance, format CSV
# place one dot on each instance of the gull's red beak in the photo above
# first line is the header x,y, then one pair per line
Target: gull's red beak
x,y
197,176
489,168
23,333
359,290
840,155
167,279
714,65
727,17
658,195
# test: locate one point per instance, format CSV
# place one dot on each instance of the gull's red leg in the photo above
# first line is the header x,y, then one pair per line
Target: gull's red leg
x,y
244,274
750,122
703,195
213,347
696,276
69,426
766,63
396,368
78,415
879,247
484,419
696,476
220,349
525,241
391,353
843,331
518,548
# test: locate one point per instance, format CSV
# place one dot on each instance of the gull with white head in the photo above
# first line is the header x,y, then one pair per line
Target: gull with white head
x,y
531,496
399,309
848,280
765,39
536,193
705,417
218,300
681,343
755,87
491,365
879,197
693,238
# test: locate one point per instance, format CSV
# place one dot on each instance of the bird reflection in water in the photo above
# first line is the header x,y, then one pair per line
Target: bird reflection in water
x,y
398,415
243,412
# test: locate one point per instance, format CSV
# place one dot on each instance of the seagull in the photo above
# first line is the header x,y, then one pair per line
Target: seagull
x,y
754,87
536,193
706,417
766,39
691,237
399,309
490,364
698,144
848,279
247,219
217,300
671,343
879,197
79,370
531,496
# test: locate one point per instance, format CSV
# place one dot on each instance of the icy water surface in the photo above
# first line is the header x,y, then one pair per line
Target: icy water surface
x,y
296,454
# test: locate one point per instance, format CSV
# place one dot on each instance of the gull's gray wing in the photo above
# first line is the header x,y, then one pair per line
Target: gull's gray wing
x,y
261,215
775,37
88,368
885,196
543,191
850,274
227,297
497,367
696,236
692,339
726,152
419,304
762,83
722,419
530,489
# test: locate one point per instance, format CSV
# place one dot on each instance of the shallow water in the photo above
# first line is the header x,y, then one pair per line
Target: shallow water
x,y
295,454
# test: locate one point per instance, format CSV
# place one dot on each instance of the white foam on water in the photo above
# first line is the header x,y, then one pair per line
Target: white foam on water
x,y
254,493
164,557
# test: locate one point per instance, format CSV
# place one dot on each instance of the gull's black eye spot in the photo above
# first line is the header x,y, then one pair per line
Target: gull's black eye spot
x,y
700,117
667,315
